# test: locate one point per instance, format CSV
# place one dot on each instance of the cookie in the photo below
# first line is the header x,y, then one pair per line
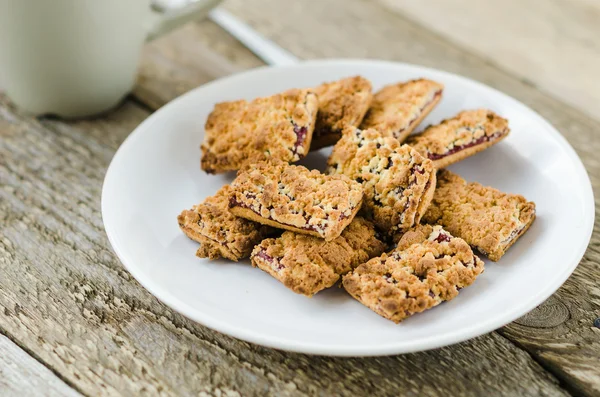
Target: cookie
x,y
428,267
279,126
398,108
342,103
398,182
219,232
307,264
486,218
294,198
457,138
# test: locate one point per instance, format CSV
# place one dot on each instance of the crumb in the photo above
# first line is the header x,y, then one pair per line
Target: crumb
x,y
295,198
220,233
462,136
307,264
398,182
342,103
428,267
398,108
279,126
484,217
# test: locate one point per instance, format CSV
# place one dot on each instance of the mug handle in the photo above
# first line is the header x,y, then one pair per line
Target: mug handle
x,y
166,20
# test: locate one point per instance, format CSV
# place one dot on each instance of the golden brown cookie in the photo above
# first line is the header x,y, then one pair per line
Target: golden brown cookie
x,y
428,267
398,182
342,103
307,264
294,198
486,218
462,136
279,126
398,108
219,232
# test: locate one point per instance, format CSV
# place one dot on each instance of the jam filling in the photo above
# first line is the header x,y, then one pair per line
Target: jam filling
x,y
201,226
415,169
437,94
273,262
316,228
301,133
399,189
234,203
442,237
427,185
456,149
388,277
513,235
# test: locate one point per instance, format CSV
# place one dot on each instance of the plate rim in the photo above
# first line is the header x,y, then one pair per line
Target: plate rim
x,y
400,347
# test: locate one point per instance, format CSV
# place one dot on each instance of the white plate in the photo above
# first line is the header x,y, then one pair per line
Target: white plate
x,y
156,174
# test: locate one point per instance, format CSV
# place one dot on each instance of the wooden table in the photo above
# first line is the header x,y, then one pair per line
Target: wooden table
x,y
72,320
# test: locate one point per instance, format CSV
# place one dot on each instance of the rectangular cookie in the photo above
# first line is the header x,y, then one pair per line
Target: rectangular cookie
x,y
486,218
279,126
398,182
398,108
307,264
342,103
428,267
452,140
219,232
294,198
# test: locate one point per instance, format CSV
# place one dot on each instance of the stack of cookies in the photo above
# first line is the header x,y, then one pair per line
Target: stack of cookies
x,y
385,217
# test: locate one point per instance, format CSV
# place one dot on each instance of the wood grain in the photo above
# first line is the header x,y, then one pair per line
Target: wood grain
x,y
551,43
180,61
65,296
21,374
385,35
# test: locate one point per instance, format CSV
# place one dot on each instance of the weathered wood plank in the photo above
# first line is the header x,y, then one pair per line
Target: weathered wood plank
x,y
66,297
561,333
364,29
182,60
555,47
22,375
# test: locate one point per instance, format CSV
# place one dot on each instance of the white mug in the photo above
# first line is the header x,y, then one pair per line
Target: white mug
x,y
75,58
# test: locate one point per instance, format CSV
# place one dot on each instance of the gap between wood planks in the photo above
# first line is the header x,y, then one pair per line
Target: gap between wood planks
x,y
101,137
68,386
301,50
562,381
174,90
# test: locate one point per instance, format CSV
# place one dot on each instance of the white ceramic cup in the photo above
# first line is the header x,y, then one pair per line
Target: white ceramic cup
x,y
75,58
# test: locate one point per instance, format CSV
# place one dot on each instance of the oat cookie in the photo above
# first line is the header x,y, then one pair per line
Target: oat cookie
x,y
398,182
398,108
484,217
307,264
220,233
454,139
342,103
428,267
294,198
279,126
